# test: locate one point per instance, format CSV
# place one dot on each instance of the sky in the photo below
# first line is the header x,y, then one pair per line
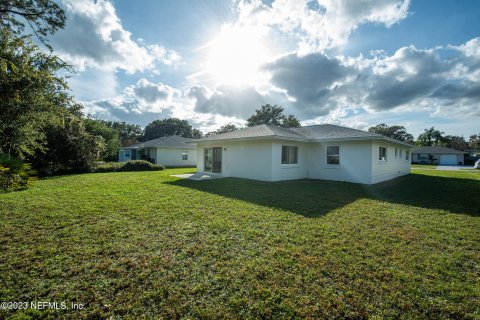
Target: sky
x,y
347,62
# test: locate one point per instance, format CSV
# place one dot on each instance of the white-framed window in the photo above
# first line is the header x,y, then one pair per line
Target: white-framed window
x,y
333,155
396,153
184,155
289,154
407,155
127,154
382,154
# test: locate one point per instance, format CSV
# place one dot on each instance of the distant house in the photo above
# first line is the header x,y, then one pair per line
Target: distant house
x,y
317,152
437,155
170,151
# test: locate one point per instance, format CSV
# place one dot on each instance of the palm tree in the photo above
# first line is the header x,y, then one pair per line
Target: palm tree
x,y
430,137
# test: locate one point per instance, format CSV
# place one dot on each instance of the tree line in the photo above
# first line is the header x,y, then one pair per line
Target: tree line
x,y
429,137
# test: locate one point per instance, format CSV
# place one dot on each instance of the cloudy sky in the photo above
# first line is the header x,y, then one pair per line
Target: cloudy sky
x,y
349,62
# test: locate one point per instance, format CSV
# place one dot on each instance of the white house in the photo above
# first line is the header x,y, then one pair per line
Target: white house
x,y
317,152
437,155
171,151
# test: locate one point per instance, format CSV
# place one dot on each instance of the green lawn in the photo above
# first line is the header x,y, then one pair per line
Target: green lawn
x,y
148,245
424,166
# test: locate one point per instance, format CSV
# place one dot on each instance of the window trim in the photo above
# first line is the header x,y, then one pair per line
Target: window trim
x,y
289,161
380,158
332,155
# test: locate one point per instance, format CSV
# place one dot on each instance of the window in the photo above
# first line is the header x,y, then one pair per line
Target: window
x,y
184,156
396,153
382,154
289,154
333,154
401,153
127,154
407,155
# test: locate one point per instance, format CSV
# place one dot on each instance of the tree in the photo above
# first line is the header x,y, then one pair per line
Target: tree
x,y
430,137
39,121
273,116
71,148
291,122
395,132
167,127
223,129
197,133
30,92
455,142
110,136
474,142
42,16
128,133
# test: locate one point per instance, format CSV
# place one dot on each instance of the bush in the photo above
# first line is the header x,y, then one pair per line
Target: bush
x,y
14,174
134,165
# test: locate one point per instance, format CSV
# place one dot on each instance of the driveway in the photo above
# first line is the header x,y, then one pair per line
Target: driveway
x,y
451,168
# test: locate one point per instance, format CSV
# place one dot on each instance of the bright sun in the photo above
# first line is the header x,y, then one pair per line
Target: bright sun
x,y
235,55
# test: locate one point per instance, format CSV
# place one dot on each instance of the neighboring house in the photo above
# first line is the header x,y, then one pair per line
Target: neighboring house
x,y
317,152
437,155
169,151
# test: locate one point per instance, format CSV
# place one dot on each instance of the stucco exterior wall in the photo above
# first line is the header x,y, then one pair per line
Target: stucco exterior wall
x,y
172,157
241,159
261,160
355,162
393,166
288,171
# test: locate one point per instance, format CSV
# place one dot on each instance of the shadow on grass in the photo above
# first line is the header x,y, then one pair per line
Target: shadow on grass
x,y
313,198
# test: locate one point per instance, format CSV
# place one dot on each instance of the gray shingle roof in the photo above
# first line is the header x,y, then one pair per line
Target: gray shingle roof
x,y
167,142
330,131
323,132
261,131
436,149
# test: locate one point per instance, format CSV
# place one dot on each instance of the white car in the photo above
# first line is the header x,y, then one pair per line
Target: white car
x,y
477,164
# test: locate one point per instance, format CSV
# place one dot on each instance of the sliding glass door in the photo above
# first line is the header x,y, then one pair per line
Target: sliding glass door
x,y
213,160
208,163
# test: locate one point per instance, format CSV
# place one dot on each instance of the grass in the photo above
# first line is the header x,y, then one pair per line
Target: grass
x,y
148,245
424,166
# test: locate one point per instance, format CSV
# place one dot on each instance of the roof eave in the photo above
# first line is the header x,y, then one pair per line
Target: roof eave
x,y
365,138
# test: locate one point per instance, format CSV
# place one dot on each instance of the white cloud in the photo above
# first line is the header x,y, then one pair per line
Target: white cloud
x,y
410,80
94,37
226,100
152,93
321,24
142,98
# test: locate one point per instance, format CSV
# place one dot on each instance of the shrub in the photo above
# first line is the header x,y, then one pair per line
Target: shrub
x,y
107,166
133,165
14,174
